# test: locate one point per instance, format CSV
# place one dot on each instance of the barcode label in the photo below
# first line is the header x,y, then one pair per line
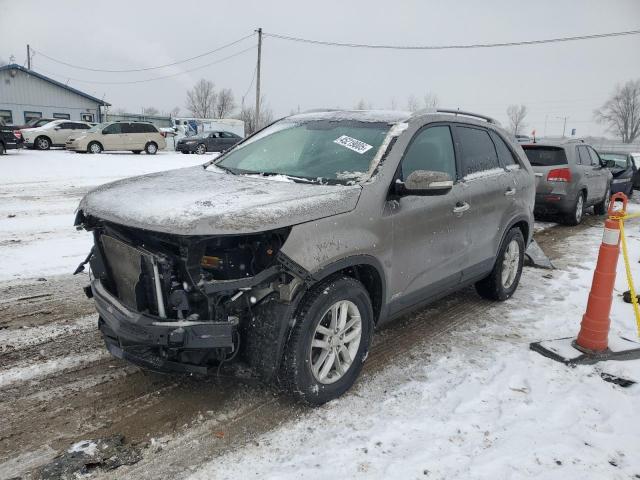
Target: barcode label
x,y
353,144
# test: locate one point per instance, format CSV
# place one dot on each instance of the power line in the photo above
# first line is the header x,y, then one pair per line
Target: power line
x,y
155,78
146,68
451,47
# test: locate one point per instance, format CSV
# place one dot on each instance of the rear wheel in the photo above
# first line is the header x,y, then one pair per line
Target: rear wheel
x,y
329,341
505,276
94,147
201,149
602,207
574,216
151,148
42,143
2,150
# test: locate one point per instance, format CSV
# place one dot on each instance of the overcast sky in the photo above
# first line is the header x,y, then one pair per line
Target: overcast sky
x,y
555,80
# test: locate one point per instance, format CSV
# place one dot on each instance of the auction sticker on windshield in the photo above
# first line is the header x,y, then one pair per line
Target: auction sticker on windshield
x,y
353,144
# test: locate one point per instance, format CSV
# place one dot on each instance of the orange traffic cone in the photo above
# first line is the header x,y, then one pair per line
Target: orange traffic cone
x,y
594,329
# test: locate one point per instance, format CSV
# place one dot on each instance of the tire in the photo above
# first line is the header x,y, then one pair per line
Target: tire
x,y
94,147
151,148
201,149
2,150
42,143
630,193
574,216
602,207
297,375
184,152
499,287
137,152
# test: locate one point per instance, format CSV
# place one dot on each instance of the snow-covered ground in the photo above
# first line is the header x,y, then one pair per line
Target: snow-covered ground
x,y
39,192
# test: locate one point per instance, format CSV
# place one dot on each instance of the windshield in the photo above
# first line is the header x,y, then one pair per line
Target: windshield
x,y
319,150
545,156
98,127
619,158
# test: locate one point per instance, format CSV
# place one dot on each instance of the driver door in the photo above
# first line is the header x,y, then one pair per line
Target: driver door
x,y
429,231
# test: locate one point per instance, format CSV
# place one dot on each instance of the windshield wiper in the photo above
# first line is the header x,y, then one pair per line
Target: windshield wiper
x,y
221,167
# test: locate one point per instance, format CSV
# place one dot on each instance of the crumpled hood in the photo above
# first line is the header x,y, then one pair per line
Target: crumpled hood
x,y
195,201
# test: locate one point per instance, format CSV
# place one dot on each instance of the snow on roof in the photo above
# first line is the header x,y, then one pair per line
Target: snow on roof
x,y
387,116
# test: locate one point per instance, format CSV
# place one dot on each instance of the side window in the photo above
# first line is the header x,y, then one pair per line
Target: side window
x,y
112,129
583,155
213,135
595,158
82,126
430,149
505,155
226,135
133,128
478,152
150,128
65,125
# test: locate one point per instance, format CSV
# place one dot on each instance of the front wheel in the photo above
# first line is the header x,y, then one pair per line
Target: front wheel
x,y
329,341
505,276
94,147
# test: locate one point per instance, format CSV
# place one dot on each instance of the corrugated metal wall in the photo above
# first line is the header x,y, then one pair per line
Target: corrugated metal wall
x,y
24,92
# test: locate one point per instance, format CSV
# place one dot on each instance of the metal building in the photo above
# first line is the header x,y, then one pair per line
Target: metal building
x,y
25,95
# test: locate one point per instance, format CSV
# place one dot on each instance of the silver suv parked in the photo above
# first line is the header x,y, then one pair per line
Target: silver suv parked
x,y
288,250
570,176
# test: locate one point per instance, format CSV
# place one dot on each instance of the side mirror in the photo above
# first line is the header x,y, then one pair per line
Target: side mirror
x,y
57,128
425,182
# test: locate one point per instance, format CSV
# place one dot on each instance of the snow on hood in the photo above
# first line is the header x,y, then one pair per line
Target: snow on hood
x,y
195,201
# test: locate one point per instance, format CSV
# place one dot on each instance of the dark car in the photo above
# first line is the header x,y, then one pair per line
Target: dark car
x,y
208,142
10,137
623,169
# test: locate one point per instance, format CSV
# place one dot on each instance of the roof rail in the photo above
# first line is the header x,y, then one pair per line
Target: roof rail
x,y
469,114
574,140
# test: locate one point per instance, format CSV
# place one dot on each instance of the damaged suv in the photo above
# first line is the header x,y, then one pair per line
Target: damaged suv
x,y
286,252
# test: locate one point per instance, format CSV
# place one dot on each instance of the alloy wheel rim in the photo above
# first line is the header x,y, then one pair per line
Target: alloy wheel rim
x,y
43,143
95,148
335,342
200,149
152,148
579,208
510,264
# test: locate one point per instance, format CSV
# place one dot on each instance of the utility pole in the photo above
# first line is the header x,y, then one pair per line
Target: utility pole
x,y
28,57
564,126
258,78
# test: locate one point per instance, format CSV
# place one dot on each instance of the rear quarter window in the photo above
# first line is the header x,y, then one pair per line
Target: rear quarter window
x,y
478,151
545,156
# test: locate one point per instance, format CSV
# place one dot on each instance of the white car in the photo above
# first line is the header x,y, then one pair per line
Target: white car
x,y
53,134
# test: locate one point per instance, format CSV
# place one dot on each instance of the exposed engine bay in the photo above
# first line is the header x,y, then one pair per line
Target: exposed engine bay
x,y
193,298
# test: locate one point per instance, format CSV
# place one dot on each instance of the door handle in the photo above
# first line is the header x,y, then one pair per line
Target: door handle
x,y
510,192
461,207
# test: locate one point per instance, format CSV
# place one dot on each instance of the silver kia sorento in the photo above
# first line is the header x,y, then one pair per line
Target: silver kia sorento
x,y
286,252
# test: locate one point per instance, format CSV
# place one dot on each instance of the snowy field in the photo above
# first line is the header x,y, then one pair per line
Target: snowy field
x,y
39,192
470,401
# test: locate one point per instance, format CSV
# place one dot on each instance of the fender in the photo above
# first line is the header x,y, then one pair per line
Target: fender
x,y
517,219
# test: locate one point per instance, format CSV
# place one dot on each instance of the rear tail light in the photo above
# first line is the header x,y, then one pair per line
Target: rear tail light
x,y
559,175
17,134
164,134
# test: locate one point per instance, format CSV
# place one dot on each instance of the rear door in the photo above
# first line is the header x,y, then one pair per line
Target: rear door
x,y
488,194
136,136
61,132
228,140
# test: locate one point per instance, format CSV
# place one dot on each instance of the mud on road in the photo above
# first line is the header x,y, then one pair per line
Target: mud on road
x,y
59,386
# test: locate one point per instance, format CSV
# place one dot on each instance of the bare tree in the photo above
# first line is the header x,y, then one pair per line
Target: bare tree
x,y
150,111
362,105
248,116
412,103
201,99
393,104
431,100
621,113
516,115
225,103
